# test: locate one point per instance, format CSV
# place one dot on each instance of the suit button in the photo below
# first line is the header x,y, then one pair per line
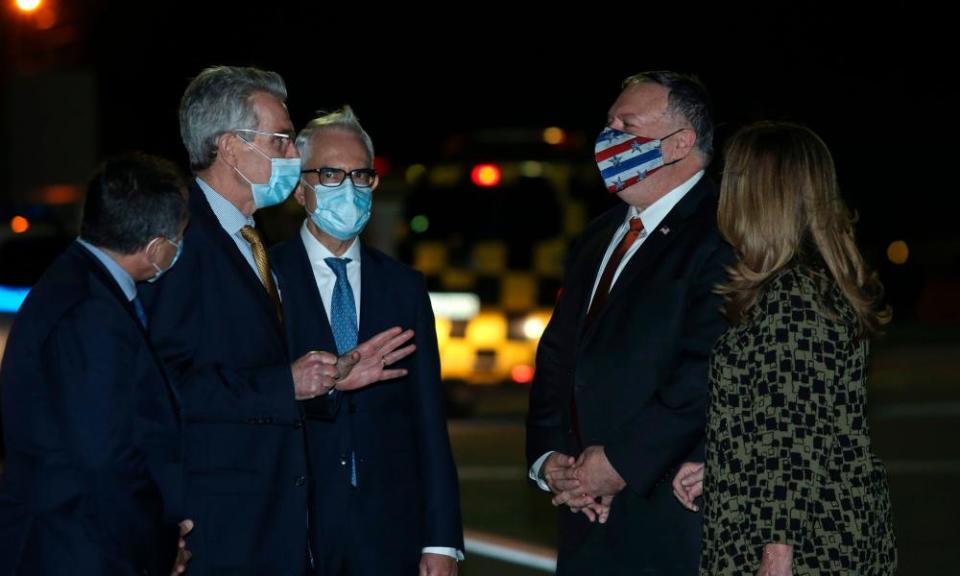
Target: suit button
x,y
301,481
343,461
298,425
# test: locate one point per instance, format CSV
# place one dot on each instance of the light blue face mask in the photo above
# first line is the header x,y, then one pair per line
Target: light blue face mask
x,y
342,211
161,271
284,175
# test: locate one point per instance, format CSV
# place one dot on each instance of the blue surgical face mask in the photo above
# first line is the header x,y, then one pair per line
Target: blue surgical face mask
x,y
342,211
284,175
160,271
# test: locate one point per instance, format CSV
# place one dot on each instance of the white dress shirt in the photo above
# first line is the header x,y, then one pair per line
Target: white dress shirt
x,y
322,273
325,278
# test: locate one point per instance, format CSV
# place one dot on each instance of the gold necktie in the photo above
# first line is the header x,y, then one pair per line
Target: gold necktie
x,y
251,235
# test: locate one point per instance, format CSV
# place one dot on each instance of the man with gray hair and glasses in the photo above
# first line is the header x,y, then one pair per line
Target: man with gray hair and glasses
x,y
386,495
216,321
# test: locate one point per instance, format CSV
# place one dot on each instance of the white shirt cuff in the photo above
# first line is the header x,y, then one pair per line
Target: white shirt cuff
x,y
534,473
451,552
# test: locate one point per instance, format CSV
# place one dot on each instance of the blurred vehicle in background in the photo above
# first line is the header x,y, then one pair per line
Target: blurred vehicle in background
x,y
489,224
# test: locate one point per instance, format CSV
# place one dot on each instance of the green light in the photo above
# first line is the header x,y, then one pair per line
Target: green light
x,y
419,223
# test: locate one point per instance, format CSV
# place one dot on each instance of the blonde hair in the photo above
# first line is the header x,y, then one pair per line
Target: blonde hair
x,y
779,205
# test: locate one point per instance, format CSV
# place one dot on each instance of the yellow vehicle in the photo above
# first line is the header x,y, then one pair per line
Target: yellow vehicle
x,y
490,226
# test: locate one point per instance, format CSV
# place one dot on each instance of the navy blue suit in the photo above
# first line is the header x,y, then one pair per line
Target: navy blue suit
x,y
91,484
407,495
213,324
638,374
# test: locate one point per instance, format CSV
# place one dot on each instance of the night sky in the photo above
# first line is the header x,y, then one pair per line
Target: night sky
x,y
872,83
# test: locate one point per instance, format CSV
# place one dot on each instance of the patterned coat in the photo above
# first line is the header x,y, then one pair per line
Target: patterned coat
x,y
788,448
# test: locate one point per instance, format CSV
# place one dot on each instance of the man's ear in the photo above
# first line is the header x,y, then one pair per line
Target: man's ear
x,y
151,252
683,142
228,148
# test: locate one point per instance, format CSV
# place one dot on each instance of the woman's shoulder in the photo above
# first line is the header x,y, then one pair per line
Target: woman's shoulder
x,y
804,293
789,287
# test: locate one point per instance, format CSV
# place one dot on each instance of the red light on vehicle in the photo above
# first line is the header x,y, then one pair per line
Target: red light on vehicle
x,y
522,374
382,166
485,175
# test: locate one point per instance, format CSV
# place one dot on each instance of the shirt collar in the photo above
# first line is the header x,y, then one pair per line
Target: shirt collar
x,y
317,252
229,216
120,276
654,214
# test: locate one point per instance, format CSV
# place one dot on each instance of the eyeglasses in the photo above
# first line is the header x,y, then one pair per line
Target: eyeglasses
x,y
279,140
361,177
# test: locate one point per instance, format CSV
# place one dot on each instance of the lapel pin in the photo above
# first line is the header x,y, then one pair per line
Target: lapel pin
x,y
664,230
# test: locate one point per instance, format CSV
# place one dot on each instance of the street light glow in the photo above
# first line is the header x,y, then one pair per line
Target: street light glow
x,y
28,5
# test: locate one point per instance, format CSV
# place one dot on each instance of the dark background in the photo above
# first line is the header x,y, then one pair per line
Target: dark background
x,y
80,80
873,82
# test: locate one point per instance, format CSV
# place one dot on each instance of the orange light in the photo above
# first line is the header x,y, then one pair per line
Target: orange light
x,y
46,19
28,5
898,252
485,175
19,224
554,136
522,374
58,194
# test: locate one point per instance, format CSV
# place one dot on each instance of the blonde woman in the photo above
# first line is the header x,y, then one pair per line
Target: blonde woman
x,y
790,484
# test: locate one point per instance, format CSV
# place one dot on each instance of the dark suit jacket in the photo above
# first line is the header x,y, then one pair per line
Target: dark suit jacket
x,y
216,329
639,377
408,496
92,482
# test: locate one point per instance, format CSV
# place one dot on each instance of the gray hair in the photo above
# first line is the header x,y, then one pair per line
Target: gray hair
x,y
342,119
689,99
217,101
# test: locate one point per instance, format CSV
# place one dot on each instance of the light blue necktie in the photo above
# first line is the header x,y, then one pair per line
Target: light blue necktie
x,y
141,313
343,309
343,322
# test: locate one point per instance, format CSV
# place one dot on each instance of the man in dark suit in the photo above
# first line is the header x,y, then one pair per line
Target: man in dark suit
x,y
216,322
619,398
92,478
385,486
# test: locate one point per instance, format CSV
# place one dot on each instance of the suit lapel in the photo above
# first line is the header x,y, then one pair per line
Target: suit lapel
x,y
304,283
653,246
103,275
203,212
594,250
373,301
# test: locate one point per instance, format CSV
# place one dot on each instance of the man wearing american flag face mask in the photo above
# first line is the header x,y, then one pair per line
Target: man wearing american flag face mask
x,y
620,394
